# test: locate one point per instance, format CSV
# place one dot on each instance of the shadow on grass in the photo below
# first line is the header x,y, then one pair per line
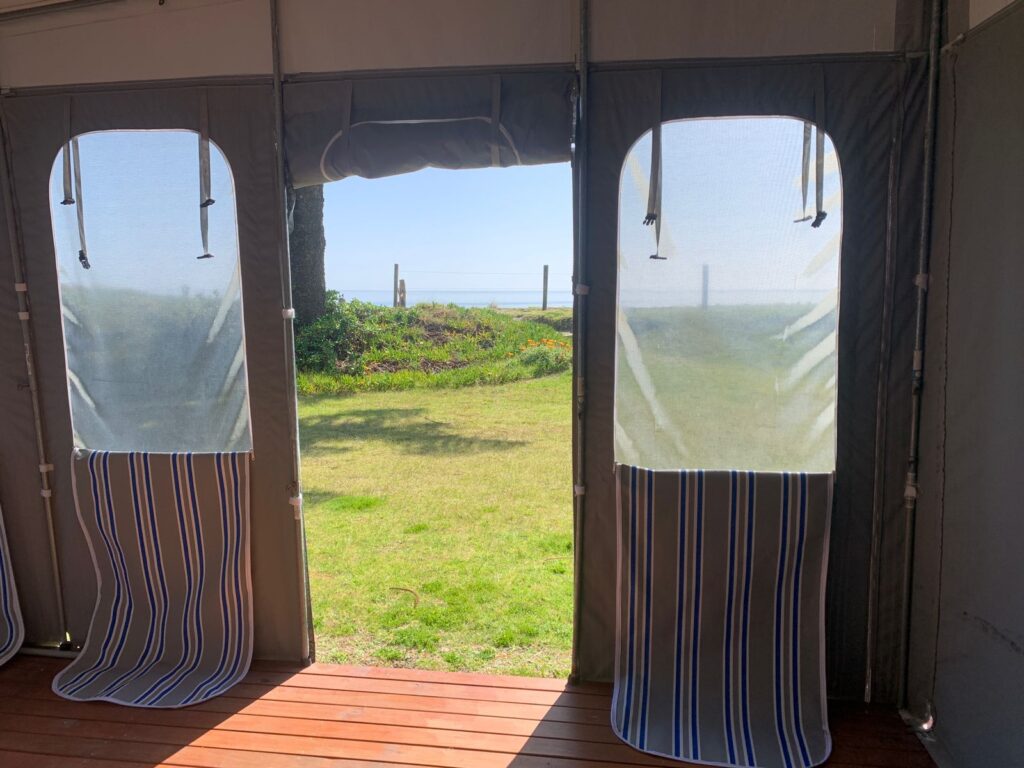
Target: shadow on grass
x,y
407,429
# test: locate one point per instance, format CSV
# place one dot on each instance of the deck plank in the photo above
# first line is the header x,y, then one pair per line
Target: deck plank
x,y
353,717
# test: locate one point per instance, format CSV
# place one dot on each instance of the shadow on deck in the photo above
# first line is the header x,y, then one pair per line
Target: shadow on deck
x,y
357,717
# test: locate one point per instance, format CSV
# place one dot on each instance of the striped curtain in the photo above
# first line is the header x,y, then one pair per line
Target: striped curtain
x,y
720,636
12,630
169,535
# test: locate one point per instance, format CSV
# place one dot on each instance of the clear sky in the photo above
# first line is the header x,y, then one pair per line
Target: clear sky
x,y
494,220
731,193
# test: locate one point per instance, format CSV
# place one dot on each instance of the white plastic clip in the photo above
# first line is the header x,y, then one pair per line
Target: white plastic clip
x,y
288,314
910,491
581,290
921,280
579,490
21,287
46,493
23,315
296,502
45,468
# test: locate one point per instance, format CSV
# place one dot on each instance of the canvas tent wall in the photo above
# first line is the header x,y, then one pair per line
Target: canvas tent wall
x,y
141,64
967,667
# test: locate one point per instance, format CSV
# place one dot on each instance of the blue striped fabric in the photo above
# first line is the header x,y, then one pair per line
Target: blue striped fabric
x,y
12,629
169,534
719,650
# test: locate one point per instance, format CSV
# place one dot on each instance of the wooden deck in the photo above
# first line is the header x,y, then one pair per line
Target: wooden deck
x,y
356,717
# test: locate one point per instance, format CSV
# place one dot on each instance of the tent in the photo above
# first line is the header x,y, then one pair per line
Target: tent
x,y
922,99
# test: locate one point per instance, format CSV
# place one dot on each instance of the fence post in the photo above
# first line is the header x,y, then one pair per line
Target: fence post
x,y
401,293
544,301
394,296
704,287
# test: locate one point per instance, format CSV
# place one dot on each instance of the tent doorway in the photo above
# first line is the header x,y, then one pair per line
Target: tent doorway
x,y
436,436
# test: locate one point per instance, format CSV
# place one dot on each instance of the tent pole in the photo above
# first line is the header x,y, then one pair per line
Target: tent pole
x,y
288,314
579,312
921,281
24,315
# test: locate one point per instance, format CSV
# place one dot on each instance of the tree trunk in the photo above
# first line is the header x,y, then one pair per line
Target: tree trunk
x,y
307,244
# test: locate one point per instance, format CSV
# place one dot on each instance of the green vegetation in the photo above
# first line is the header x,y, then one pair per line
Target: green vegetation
x,y
358,347
439,526
559,318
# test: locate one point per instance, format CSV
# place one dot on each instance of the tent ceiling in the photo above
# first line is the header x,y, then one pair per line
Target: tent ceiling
x,y
980,10
137,40
625,30
332,36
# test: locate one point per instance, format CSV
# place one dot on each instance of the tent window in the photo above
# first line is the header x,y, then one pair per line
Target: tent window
x,y
727,322
152,319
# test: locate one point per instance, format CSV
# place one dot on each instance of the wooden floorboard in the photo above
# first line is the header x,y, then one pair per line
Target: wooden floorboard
x,y
357,717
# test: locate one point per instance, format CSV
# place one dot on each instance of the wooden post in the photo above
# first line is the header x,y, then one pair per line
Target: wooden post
x,y
401,293
544,300
704,287
394,299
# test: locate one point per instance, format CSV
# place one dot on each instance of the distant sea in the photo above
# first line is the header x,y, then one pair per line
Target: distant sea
x,y
509,299
650,298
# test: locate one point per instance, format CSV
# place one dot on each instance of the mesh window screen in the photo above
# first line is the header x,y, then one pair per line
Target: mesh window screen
x,y
152,319
726,349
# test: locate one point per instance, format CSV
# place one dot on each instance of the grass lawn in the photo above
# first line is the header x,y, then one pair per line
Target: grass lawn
x,y
439,526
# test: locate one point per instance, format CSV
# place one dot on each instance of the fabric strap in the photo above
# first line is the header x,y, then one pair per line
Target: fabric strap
x,y
819,149
805,172
83,250
654,192
69,196
205,200
720,628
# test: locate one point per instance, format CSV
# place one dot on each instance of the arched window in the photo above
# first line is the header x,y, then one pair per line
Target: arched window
x,y
727,319
152,308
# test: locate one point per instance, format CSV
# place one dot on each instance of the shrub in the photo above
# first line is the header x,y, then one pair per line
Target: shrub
x,y
358,346
546,357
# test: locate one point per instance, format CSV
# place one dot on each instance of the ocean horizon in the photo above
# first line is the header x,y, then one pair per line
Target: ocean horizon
x,y
466,298
527,299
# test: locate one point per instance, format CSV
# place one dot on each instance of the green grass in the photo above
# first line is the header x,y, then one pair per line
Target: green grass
x,y
439,526
559,318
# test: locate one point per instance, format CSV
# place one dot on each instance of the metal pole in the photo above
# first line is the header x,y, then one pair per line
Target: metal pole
x,y
24,315
579,313
289,339
544,298
704,279
924,247
394,295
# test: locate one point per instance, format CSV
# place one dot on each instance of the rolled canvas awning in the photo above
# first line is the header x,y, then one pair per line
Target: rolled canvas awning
x,y
376,127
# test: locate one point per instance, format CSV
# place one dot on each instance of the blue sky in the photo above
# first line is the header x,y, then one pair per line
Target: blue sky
x,y
510,221
731,193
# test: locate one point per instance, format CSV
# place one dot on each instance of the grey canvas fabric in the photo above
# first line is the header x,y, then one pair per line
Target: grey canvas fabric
x,y
967,630
374,127
12,629
241,123
169,535
873,115
720,621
